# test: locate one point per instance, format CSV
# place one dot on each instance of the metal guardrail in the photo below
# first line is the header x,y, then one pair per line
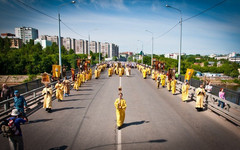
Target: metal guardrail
x,y
231,111
230,95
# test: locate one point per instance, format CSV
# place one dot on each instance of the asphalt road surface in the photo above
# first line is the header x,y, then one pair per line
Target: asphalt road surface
x,y
155,119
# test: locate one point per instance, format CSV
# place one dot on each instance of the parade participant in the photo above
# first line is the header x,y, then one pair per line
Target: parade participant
x,y
110,72
163,78
200,93
169,84
153,74
47,92
120,105
66,86
75,86
78,80
158,79
20,103
96,73
185,88
90,71
59,91
144,72
173,85
15,137
128,69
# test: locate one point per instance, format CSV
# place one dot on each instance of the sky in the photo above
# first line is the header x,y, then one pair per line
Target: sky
x,y
124,23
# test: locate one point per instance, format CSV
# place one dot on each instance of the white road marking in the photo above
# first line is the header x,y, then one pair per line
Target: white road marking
x,y
119,140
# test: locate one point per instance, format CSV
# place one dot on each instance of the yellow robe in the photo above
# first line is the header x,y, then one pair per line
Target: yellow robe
x,y
47,103
200,97
185,92
168,85
90,74
110,72
66,86
76,87
78,80
144,72
120,72
153,74
96,74
173,86
59,91
120,112
163,78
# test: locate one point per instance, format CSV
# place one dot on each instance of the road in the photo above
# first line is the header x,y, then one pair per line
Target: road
x,y
155,119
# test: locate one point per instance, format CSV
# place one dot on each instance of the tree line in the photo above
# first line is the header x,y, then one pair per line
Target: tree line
x,y
33,59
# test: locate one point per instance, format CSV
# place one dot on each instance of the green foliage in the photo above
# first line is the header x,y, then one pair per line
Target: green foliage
x,y
31,77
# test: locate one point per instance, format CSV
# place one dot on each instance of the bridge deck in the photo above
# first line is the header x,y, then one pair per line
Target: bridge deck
x,y
155,119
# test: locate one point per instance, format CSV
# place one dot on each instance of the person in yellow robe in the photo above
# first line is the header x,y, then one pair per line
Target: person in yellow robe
x,y
158,79
120,105
109,71
185,88
200,93
153,74
120,72
173,85
144,73
66,86
169,85
59,91
90,71
78,80
96,73
83,77
163,78
47,103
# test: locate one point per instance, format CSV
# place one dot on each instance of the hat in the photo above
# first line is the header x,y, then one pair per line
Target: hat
x,y
15,112
16,92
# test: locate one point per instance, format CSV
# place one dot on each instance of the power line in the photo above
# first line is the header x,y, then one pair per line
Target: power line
x,y
167,31
26,5
48,16
72,30
205,10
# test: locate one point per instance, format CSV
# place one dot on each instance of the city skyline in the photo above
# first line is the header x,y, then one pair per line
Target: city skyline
x,y
123,22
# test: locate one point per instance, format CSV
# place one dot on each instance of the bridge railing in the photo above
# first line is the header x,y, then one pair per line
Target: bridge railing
x,y
231,111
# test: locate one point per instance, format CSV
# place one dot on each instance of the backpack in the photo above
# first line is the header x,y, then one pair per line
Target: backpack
x,y
9,128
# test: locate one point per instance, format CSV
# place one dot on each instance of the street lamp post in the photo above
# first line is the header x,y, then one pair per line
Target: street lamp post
x,y
152,46
180,49
59,34
142,50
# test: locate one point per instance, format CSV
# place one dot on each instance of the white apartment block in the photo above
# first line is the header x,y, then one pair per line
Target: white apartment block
x,y
44,43
93,46
98,47
173,55
26,33
67,43
73,44
105,49
86,47
53,39
80,46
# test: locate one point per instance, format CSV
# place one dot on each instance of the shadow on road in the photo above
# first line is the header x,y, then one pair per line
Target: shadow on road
x,y
128,143
39,120
60,109
72,100
134,123
59,148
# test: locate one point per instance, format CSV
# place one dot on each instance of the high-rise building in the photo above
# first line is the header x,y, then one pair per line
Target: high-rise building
x,y
44,43
67,43
98,47
93,46
73,44
79,46
26,33
86,47
105,49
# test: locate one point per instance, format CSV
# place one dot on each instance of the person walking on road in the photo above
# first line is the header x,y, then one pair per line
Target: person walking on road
x,y
59,91
15,137
185,88
20,103
173,85
221,94
120,105
200,93
47,92
66,86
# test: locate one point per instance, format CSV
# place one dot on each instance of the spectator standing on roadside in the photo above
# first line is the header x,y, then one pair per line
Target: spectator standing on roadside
x,y
222,96
6,93
20,103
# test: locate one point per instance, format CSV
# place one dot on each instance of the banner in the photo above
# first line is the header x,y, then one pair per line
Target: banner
x,y
188,74
56,70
